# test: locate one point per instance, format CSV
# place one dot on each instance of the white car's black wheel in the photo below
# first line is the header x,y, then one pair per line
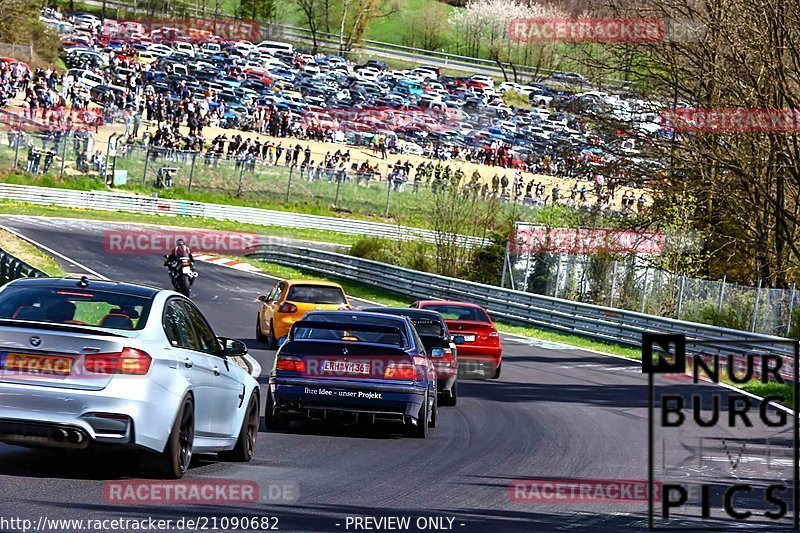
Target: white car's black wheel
x,y
175,460
246,443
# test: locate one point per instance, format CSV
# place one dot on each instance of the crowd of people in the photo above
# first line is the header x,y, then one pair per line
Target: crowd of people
x,y
58,101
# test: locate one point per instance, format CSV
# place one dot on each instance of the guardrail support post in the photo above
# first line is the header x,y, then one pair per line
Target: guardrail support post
x,y
755,307
791,310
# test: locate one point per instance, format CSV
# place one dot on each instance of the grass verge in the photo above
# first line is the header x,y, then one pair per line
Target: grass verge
x,y
16,208
29,253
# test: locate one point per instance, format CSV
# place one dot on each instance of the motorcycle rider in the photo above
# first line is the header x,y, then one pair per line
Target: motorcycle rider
x,y
181,250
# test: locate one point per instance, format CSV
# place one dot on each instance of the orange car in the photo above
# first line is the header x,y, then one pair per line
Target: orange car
x,y
289,300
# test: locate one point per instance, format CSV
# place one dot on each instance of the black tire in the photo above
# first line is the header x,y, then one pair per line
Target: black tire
x,y
246,443
496,374
174,462
185,287
272,342
420,431
259,334
435,412
450,399
273,420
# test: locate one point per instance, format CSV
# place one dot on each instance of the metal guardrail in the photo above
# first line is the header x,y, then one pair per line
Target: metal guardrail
x,y
134,203
12,268
596,322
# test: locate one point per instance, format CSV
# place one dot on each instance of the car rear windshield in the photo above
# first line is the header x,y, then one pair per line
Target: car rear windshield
x,y
353,333
75,306
317,294
458,312
428,327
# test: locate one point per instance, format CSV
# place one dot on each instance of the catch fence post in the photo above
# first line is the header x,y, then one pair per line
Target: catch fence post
x,y
146,162
336,198
680,296
289,185
388,195
791,310
191,170
644,289
241,180
755,307
64,156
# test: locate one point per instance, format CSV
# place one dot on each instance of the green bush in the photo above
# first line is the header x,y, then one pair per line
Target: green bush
x,y
416,255
374,248
736,314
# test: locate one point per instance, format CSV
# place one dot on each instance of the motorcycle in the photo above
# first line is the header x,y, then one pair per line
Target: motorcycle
x,y
182,274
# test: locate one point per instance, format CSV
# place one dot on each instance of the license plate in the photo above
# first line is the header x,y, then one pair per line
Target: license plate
x,y
20,363
346,367
187,270
469,338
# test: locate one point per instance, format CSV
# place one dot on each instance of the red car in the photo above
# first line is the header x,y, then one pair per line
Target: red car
x,y
481,350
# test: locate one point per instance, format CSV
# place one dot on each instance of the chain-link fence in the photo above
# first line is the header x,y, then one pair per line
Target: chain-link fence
x,y
631,284
358,185
22,52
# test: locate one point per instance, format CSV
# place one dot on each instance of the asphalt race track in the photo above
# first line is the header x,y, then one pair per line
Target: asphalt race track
x,y
555,413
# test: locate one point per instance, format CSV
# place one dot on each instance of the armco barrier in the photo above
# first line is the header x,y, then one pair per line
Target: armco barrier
x,y
596,322
134,203
12,268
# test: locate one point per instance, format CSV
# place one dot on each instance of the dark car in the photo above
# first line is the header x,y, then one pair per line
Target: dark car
x,y
440,344
355,366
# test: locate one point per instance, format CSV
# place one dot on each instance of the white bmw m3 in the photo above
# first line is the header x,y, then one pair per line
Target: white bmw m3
x,y
94,363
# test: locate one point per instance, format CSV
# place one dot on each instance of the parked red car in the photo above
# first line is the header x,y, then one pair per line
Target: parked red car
x,y
481,351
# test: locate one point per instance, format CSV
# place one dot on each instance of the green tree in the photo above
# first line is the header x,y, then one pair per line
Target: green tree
x,y
256,9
